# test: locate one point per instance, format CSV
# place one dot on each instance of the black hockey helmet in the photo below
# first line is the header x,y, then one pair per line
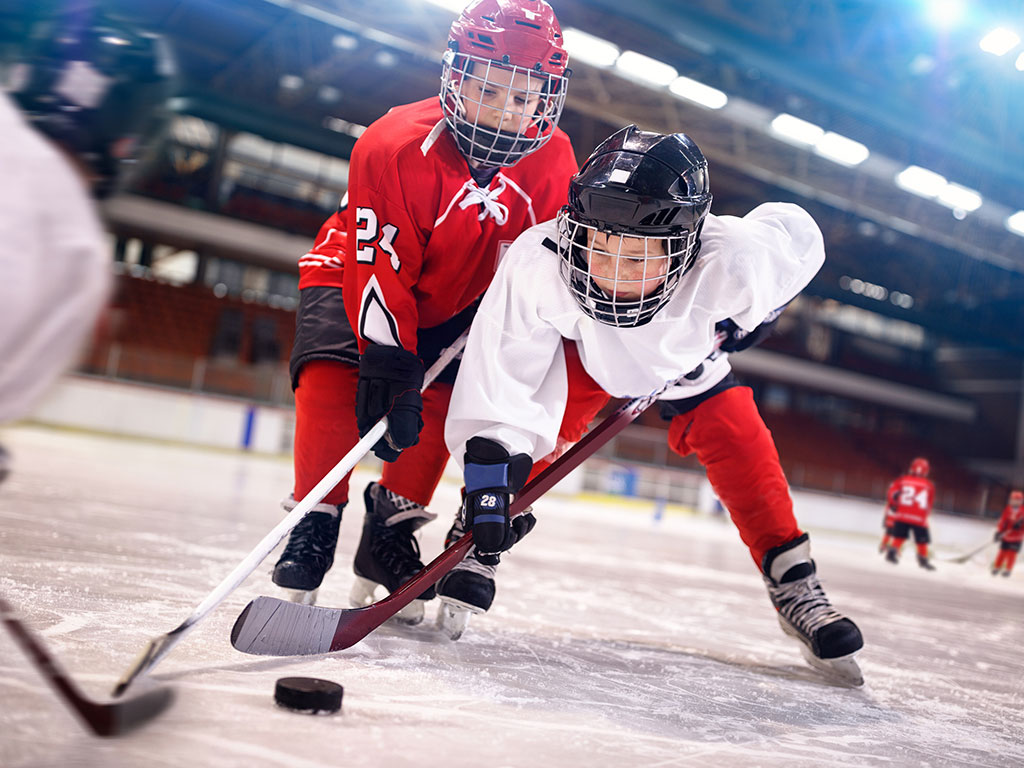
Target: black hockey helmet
x,y
636,184
94,84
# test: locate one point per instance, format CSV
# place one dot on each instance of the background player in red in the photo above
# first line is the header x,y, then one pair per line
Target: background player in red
x,y
910,498
1009,534
437,190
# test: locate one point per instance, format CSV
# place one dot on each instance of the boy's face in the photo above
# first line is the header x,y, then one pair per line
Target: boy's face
x,y
500,99
626,267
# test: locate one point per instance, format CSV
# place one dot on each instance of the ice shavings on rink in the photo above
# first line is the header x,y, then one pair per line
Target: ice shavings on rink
x,y
614,640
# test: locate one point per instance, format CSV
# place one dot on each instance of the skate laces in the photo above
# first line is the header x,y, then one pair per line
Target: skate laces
x,y
396,549
314,536
400,503
804,603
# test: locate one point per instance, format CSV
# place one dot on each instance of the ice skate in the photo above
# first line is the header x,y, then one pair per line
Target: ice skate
x,y
925,563
388,553
309,553
892,556
5,463
466,589
828,639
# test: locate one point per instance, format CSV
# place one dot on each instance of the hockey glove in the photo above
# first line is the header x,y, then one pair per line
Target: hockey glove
x,y
731,338
491,477
390,379
998,536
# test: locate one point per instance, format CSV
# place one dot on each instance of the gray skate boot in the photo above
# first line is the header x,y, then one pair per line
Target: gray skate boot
x,y
388,553
466,589
309,553
828,639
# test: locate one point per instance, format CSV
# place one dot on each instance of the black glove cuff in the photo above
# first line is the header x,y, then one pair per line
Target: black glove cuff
x,y
393,364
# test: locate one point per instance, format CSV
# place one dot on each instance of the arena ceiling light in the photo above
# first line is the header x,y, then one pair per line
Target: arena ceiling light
x,y
944,13
796,131
705,95
589,49
455,6
999,41
1020,63
921,181
840,149
636,66
1015,223
956,196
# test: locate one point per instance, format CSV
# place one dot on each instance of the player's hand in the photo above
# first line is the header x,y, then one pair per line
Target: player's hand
x,y
491,477
998,536
390,379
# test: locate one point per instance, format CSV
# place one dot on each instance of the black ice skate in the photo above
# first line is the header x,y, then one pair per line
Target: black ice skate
x,y
309,553
388,553
5,463
828,639
892,556
925,563
466,589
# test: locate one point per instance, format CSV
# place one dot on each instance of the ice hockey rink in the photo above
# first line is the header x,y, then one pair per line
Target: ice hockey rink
x,y
617,639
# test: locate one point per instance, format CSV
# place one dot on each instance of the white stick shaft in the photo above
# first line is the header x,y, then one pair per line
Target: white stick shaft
x,y
310,500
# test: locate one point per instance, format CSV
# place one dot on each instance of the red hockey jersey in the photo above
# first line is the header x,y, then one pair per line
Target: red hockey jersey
x,y
1011,524
415,240
911,498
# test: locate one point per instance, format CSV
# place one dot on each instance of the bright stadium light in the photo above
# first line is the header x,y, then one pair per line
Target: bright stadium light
x,y
957,196
795,130
921,181
840,149
1020,63
945,13
1015,223
999,41
455,6
589,49
705,95
639,67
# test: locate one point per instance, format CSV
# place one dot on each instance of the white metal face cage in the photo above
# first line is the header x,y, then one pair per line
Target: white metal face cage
x,y
470,86
616,288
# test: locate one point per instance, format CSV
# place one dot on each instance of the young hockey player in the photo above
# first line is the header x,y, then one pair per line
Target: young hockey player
x,y
651,288
437,190
1009,534
910,498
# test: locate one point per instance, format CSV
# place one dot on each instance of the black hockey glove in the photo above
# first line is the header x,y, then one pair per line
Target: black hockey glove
x,y
998,536
491,477
390,379
732,338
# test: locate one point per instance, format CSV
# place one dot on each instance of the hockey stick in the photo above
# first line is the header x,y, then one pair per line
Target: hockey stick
x,y
159,647
272,627
961,559
103,719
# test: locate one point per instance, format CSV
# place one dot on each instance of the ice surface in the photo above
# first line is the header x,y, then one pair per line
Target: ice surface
x,y
615,640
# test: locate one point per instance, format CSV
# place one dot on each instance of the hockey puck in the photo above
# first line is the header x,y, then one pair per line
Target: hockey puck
x,y
309,695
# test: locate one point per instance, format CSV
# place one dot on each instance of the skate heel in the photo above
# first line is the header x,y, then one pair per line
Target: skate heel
x,y
363,593
843,670
300,596
453,617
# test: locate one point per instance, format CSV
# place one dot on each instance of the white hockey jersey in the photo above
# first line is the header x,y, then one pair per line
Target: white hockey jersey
x,y
512,385
55,272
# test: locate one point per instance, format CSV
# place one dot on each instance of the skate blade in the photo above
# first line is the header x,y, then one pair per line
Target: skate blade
x,y
300,596
453,617
363,593
842,670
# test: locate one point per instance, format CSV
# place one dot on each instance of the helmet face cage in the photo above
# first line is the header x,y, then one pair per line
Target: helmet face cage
x,y
624,290
466,82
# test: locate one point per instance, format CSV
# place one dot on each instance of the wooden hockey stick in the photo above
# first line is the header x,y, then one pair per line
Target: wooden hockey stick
x,y
961,559
272,627
102,718
159,647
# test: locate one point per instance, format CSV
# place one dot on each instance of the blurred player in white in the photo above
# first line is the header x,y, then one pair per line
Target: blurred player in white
x,y
80,92
910,498
652,289
437,190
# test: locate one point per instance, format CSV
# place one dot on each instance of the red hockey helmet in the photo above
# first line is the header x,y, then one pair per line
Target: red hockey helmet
x,y
1016,498
513,48
920,467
